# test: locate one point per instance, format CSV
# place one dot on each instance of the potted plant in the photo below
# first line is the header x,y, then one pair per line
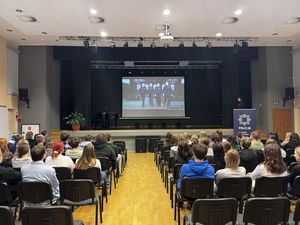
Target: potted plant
x,y
75,119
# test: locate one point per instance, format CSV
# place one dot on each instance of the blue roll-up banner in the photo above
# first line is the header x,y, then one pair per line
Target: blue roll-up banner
x,y
244,120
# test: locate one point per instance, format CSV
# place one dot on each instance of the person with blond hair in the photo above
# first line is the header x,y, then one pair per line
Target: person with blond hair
x,y
232,168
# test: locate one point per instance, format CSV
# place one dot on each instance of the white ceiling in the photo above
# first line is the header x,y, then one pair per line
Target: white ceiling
x,y
141,18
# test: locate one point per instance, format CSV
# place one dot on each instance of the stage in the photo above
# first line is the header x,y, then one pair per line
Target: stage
x,y
129,135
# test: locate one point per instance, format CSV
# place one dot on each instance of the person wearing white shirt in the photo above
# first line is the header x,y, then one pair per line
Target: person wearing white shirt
x,y
22,154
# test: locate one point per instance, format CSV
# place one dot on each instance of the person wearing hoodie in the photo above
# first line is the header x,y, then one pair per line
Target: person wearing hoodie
x,y
199,168
102,149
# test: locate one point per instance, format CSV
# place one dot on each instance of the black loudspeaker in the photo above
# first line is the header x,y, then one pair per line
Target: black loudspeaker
x,y
23,94
153,142
289,93
140,144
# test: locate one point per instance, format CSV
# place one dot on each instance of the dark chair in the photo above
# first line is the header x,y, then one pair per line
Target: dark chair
x,y
60,215
292,165
270,186
192,189
6,217
290,158
296,187
296,217
210,159
122,145
6,198
169,169
63,173
79,192
107,168
164,163
267,211
235,187
174,180
94,174
212,212
157,152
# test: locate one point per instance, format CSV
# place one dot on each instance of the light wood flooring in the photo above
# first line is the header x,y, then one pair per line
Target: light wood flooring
x,y
140,197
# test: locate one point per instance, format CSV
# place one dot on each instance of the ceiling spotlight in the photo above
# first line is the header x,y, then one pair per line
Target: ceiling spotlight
x,y
218,34
96,19
209,45
44,32
194,45
103,34
8,30
152,45
19,10
29,19
181,45
93,11
288,41
23,39
140,44
274,34
238,12
294,20
166,12
230,20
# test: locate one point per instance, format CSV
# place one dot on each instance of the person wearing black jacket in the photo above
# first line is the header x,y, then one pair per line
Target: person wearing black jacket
x,y
296,170
11,177
248,157
117,151
102,149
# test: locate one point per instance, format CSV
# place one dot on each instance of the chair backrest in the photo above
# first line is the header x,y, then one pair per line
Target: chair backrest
x,y
120,144
105,163
163,149
176,171
160,145
290,158
6,216
171,162
210,159
235,187
297,212
292,165
296,186
35,192
267,211
77,190
270,186
61,215
194,188
92,173
166,156
6,198
63,173
214,211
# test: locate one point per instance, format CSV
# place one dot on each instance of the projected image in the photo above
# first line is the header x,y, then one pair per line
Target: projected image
x,y
153,97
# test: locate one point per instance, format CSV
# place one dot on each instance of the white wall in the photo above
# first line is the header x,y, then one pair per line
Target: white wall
x,y
296,77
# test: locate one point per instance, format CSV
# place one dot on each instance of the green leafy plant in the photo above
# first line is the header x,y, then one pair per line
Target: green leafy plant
x,y
75,118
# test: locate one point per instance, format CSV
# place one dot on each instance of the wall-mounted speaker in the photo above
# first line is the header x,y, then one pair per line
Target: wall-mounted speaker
x,y
23,94
289,93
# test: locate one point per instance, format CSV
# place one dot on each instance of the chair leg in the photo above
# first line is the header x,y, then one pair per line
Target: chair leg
x,y
110,183
175,205
96,216
167,181
171,193
100,211
114,173
241,204
178,211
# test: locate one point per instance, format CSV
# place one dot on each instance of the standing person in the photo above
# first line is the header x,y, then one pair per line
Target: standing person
x,y
240,103
167,94
158,95
37,170
29,138
143,92
198,168
150,94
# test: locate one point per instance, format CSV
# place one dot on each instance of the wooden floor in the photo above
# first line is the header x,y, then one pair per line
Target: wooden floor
x,y
140,197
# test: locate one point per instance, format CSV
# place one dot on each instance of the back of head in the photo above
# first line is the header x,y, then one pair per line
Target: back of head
x,y
29,135
18,137
200,151
183,150
294,140
194,139
255,135
245,142
232,159
226,146
88,138
220,132
101,139
74,142
3,145
64,136
40,139
38,152
87,159
44,133
204,140
169,136
22,149
57,148
174,140
215,137
108,137
273,159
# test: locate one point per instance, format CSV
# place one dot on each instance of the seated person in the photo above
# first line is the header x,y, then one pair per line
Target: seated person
x,y
7,155
22,154
296,170
184,153
232,169
88,159
117,151
273,166
87,140
57,159
256,144
272,141
64,137
37,170
205,141
75,152
174,146
40,139
198,168
102,149
248,157
218,156
9,176
29,138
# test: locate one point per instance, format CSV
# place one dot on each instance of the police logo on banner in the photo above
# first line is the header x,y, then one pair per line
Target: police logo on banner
x,y
244,120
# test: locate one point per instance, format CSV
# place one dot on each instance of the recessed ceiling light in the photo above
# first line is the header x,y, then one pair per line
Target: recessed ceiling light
x,y
230,20
218,34
161,34
275,34
103,34
96,19
238,12
289,41
9,30
166,12
19,10
44,32
93,11
23,39
25,18
293,20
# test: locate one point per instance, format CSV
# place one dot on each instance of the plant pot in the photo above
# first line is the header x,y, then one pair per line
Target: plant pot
x,y
75,127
